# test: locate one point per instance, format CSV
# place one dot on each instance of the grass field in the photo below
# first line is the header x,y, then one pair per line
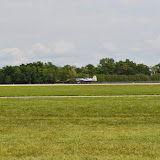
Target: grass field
x,y
80,90
123,128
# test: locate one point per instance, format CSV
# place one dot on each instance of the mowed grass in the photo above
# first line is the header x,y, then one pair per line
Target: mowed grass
x,y
123,128
79,90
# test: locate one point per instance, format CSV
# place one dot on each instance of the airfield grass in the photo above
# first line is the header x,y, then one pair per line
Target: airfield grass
x,y
126,128
79,90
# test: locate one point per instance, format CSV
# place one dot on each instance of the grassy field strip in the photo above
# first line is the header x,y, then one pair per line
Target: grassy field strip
x,y
118,96
103,128
81,122
79,90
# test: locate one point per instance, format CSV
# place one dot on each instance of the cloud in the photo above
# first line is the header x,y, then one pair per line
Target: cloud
x,y
110,46
131,2
155,44
62,47
12,56
115,29
39,49
62,60
126,2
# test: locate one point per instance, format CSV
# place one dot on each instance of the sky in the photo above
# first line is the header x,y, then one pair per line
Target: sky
x,y
79,32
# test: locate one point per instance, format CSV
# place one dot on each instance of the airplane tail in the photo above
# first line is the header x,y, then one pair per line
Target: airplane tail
x,y
95,78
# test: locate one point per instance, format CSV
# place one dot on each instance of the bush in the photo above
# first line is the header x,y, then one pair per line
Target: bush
x,y
155,77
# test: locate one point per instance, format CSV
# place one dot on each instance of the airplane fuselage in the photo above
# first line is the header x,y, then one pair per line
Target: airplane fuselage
x,y
94,79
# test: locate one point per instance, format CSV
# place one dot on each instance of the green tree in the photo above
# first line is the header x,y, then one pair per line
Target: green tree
x,y
90,69
50,73
17,75
155,69
126,68
107,66
2,77
143,69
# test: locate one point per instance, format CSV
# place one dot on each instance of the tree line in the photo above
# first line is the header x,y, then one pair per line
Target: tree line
x,y
107,71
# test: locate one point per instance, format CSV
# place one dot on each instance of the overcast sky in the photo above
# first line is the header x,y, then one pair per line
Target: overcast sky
x,y
79,32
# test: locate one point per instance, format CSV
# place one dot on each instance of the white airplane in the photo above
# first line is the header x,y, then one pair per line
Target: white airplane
x,y
86,79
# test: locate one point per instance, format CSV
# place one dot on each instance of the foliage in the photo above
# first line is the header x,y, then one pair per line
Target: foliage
x,y
107,71
155,77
